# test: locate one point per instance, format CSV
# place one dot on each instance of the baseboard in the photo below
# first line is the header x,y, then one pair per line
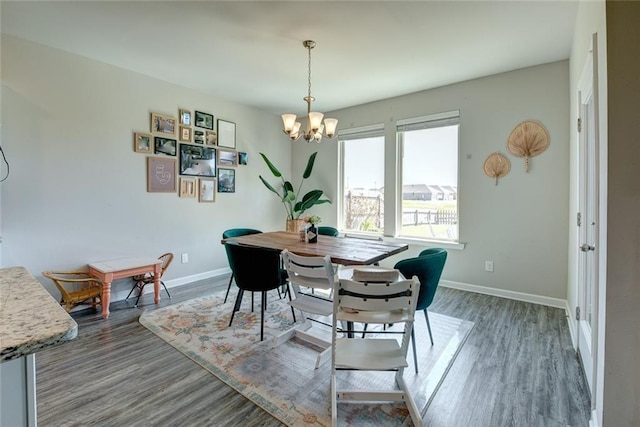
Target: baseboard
x,y
518,296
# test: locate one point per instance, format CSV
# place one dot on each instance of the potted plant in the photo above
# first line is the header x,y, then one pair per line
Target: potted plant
x,y
290,198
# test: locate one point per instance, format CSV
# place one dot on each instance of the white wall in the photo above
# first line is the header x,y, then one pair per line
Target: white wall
x,y
520,224
77,190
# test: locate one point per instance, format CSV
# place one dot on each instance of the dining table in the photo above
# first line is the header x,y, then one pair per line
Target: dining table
x,y
342,250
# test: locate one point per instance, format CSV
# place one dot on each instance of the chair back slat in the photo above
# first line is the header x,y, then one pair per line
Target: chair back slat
x,y
308,267
363,296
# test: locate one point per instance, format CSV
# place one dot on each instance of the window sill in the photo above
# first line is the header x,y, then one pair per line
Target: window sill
x,y
459,246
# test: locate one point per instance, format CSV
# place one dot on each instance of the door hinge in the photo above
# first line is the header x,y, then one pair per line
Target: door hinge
x,y
579,124
579,219
577,313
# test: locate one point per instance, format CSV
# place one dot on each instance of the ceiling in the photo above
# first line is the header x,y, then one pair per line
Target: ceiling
x,y
251,51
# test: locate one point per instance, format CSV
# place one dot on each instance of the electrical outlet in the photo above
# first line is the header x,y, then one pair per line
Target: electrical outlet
x,y
185,258
488,266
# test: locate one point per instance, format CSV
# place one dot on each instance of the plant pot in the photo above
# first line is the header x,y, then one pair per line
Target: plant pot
x,y
294,225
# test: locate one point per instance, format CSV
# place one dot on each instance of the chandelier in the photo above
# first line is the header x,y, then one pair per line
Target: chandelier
x,y
315,128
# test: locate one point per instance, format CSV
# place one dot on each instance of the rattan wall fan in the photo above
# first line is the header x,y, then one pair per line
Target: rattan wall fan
x,y
527,140
496,166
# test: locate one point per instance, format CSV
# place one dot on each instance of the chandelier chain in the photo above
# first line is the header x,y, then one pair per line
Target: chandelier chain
x,y
309,74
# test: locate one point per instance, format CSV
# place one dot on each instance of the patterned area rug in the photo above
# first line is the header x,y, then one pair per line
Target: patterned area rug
x,y
282,379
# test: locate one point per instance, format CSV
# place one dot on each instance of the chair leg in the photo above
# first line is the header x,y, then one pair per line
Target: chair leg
x,y
415,353
165,289
293,313
252,301
263,305
364,331
131,291
141,287
426,316
236,306
228,288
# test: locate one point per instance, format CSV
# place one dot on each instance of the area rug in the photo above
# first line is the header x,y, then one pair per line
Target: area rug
x,y
282,379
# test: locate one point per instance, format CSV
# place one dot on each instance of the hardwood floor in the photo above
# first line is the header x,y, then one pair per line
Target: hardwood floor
x,y
517,368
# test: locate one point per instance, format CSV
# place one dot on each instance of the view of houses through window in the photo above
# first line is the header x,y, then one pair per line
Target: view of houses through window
x,y
428,205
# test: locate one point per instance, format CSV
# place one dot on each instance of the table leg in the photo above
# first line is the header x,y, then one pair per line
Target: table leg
x,y
106,298
156,287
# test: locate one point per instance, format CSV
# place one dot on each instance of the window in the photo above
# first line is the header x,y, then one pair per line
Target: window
x,y
429,188
362,195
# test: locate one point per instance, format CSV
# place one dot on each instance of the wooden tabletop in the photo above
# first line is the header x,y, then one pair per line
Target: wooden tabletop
x,y
342,250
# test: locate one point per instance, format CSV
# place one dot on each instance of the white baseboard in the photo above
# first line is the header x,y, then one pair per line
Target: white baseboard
x,y
518,296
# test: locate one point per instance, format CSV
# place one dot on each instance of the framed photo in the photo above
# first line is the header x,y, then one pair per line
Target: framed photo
x,y
165,146
243,158
161,175
207,193
197,160
185,117
227,157
165,125
198,136
187,187
226,134
212,137
185,134
142,142
204,120
226,180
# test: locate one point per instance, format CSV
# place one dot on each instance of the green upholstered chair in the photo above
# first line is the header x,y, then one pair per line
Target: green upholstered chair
x,y
256,270
328,231
427,266
236,232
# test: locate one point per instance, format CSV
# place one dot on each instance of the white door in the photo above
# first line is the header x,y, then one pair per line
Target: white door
x,y
588,220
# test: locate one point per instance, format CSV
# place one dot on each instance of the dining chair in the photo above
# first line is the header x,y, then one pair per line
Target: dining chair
x,y
236,232
142,280
427,267
328,231
373,303
255,269
306,275
76,287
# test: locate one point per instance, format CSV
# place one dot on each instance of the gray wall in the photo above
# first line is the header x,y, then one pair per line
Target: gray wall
x,y
520,224
77,190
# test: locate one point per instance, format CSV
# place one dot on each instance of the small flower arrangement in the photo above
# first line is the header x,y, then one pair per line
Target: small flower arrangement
x,y
312,219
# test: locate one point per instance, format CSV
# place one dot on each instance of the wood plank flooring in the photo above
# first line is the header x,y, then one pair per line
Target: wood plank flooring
x,y
517,368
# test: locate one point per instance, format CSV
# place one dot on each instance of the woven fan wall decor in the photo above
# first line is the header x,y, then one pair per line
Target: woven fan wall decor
x,y
496,166
528,139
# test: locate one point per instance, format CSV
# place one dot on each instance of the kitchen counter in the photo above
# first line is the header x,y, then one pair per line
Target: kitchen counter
x,y
30,320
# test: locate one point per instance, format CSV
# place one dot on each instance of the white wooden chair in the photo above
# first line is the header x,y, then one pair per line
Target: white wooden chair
x,y
376,303
306,276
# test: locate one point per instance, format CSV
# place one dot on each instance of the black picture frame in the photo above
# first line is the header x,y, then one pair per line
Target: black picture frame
x,y
226,180
197,160
203,120
165,146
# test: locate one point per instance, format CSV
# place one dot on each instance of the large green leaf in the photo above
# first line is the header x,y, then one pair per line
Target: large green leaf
x,y
268,185
309,168
274,170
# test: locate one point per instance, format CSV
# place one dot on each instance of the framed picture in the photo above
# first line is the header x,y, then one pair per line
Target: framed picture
x,y
187,187
226,134
165,146
142,142
207,191
185,134
226,180
227,157
204,120
243,158
161,175
198,136
185,117
165,125
197,161
212,137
